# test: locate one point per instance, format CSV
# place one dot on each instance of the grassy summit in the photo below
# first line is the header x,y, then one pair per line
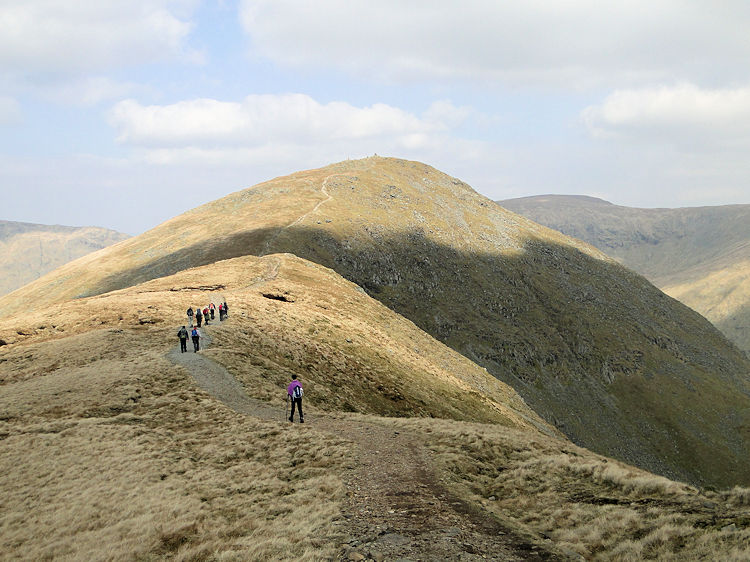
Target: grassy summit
x,y
592,347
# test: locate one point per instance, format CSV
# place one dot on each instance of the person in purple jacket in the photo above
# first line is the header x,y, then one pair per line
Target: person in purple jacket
x,y
294,393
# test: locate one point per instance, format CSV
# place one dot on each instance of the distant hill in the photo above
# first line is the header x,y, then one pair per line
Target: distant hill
x,y
592,347
28,251
698,255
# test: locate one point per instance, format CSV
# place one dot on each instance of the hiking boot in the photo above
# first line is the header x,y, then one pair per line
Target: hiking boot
x,y
291,419
301,420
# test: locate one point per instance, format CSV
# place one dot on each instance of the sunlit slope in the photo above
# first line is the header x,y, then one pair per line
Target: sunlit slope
x,y
111,450
699,255
292,316
592,347
28,251
722,296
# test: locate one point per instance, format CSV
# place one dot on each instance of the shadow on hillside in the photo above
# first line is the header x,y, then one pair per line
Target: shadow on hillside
x,y
594,348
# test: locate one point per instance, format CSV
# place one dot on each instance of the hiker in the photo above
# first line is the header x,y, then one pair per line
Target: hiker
x,y
196,339
206,315
294,393
212,307
226,310
221,312
199,316
190,316
183,335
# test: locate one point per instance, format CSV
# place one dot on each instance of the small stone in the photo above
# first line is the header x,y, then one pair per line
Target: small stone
x,y
377,556
492,498
356,556
730,527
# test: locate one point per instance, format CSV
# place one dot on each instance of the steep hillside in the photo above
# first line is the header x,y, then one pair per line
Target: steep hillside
x,y
292,316
592,347
28,251
700,256
112,449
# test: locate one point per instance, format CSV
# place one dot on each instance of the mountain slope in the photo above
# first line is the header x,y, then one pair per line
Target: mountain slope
x,y
592,347
28,251
114,448
700,255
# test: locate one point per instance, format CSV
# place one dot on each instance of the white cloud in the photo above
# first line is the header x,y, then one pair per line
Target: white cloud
x,y
89,91
272,119
10,111
573,44
682,114
51,38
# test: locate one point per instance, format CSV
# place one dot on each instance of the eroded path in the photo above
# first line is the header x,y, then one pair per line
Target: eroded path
x,y
396,508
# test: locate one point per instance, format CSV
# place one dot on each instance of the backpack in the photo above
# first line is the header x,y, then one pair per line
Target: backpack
x,y
297,392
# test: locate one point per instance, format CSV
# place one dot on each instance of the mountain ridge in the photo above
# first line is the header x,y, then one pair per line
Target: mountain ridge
x,y
592,347
100,410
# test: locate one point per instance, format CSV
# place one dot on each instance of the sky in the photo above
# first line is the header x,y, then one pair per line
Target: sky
x,y
125,113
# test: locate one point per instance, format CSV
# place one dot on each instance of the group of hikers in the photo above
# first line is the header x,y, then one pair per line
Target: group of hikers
x,y
208,312
294,390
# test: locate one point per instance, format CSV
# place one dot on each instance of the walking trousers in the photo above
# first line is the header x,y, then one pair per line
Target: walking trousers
x,y
298,403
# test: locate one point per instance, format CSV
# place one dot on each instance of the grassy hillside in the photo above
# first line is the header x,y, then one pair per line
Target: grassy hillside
x,y
28,251
112,451
592,347
700,256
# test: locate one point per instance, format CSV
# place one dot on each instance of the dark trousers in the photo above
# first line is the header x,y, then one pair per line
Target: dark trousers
x,y
298,403
200,319
183,345
212,314
196,343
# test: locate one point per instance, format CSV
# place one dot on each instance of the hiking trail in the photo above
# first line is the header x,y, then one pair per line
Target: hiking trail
x,y
396,509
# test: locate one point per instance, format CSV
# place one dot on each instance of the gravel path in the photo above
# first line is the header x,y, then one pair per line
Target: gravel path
x,y
396,509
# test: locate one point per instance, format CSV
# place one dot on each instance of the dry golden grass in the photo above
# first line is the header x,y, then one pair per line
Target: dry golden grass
x,y
112,452
353,353
589,345
583,503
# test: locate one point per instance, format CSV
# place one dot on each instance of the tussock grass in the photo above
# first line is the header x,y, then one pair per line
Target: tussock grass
x,y
125,459
112,452
585,504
